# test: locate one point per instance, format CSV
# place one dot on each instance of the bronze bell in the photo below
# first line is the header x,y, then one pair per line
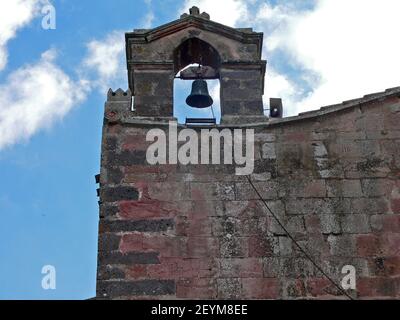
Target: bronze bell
x,y
199,98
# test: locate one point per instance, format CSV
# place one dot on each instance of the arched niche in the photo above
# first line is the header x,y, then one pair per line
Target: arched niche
x,y
188,53
196,51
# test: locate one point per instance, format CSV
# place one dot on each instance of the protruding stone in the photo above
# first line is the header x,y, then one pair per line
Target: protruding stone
x,y
194,11
205,15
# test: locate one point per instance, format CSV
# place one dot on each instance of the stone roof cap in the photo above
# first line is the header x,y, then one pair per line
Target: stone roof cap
x,y
369,98
195,11
202,21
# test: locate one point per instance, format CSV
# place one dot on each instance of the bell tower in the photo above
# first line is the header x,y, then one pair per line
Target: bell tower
x,y
233,56
155,235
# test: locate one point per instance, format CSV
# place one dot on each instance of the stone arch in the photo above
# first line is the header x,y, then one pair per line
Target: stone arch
x,y
195,50
188,52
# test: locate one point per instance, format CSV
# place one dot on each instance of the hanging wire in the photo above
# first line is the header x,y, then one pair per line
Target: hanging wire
x,y
296,243
212,111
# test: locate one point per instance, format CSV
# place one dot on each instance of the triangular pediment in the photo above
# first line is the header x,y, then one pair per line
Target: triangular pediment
x,y
242,35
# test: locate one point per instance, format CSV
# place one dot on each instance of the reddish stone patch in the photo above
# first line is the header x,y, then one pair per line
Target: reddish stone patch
x,y
259,247
315,189
395,204
296,137
260,288
391,244
313,224
115,129
165,245
136,142
158,169
202,247
386,266
368,245
204,288
321,287
147,209
391,223
131,243
136,272
376,287
179,268
199,227
241,268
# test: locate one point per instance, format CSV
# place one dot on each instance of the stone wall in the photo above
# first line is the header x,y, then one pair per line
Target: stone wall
x,y
201,232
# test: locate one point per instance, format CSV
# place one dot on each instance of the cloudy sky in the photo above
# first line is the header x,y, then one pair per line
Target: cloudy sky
x,y
53,85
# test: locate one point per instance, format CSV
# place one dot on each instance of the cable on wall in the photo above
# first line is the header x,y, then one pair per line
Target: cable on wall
x,y
296,243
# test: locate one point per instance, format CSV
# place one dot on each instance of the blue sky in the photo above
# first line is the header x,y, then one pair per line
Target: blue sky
x,y
53,85
48,194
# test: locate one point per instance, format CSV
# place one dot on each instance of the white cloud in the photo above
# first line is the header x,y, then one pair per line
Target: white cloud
x,y
279,86
335,51
106,58
38,95
149,18
35,97
228,12
14,15
349,45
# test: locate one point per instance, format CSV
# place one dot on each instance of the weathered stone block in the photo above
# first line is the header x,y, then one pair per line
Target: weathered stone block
x,y
330,224
260,246
293,289
344,188
212,191
118,194
378,187
110,273
268,151
109,241
272,267
202,247
233,247
241,268
376,287
297,267
355,223
385,266
115,289
267,190
386,223
260,288
167,191
117,258
285,246
108,211
370,206
342,245
137,225
369,245
195,288
230,288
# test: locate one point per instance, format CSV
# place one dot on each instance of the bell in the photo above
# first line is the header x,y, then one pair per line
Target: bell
x,y
199,98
